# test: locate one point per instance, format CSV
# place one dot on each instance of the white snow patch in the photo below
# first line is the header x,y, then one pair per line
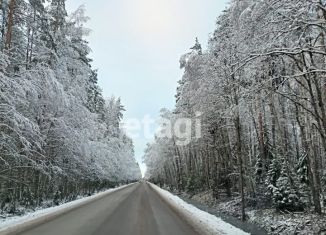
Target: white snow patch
x,y
9,224
207,223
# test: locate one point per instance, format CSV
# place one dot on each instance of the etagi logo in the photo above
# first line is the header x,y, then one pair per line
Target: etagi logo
x,y
181,130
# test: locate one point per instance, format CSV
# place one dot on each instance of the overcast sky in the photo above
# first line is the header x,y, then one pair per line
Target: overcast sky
x,y
137,45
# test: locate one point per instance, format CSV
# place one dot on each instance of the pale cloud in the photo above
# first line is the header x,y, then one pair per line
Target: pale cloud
x,y
152,17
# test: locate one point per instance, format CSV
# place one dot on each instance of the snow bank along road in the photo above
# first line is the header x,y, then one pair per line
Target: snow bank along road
x,y
139,209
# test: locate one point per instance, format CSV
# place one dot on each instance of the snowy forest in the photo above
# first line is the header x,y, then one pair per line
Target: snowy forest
x,y
59,137
260,89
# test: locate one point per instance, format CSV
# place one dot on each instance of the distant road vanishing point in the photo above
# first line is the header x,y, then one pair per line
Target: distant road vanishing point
x,y
134,210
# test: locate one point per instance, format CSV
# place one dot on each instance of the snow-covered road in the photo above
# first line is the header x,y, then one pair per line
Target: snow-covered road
x,y
138,209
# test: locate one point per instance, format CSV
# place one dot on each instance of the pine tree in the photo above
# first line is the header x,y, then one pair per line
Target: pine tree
x,y
58,15
285,193
303,179
273,173
197,47
95,101
259,170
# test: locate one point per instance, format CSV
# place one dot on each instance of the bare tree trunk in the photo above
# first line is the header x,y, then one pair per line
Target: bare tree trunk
x,y
312,173
3,26
239,154
12,6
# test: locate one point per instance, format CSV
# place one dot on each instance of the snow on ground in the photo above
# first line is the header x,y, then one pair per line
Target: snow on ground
x,y
273,221
10,223
207,223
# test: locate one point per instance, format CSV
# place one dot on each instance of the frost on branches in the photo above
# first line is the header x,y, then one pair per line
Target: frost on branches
x,y
260,87
59,138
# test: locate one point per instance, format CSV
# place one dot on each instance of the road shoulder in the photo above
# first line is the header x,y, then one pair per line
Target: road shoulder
x,y
202,221
29,221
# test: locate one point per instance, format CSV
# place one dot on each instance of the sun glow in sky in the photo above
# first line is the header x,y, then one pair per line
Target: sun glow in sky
x,y
137,45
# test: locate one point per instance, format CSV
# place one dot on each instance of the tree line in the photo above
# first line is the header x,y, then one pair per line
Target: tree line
x,y
59,137
261,90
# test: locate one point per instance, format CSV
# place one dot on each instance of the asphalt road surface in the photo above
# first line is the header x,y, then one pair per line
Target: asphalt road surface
x,y
134,210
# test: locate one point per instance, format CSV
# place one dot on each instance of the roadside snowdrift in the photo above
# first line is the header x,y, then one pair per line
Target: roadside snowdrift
x,y
206,223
